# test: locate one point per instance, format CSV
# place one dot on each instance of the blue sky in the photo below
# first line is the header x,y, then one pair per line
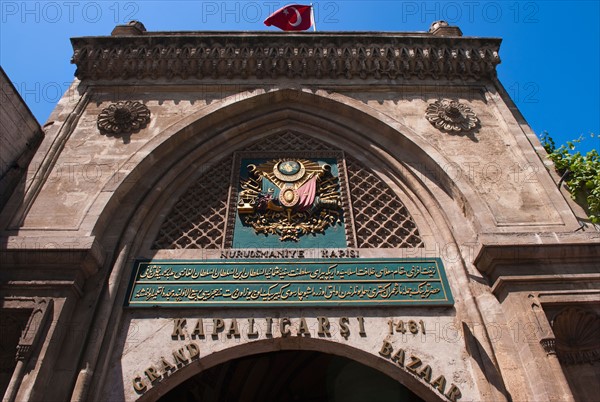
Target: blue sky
x,y
550,51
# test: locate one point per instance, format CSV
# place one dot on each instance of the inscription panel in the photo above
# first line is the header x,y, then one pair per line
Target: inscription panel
x,y
268,283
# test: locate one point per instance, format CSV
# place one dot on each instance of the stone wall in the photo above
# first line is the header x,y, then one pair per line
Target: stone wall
x,y
151,113
19,137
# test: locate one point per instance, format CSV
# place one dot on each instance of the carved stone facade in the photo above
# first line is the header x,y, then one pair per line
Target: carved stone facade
x,y
272,56
456,268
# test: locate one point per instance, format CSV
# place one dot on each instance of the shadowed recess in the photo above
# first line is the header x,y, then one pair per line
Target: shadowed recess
x,y
291,376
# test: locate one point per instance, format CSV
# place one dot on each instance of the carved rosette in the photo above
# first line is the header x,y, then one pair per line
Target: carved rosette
x,y
576,332
123,117
451,116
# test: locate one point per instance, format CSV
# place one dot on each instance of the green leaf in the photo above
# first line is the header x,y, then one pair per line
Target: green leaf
x,y
583,180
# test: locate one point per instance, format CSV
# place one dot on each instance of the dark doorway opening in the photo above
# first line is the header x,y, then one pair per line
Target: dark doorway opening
x,y
12,324
290,376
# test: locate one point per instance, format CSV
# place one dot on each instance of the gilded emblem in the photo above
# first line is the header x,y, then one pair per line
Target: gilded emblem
x,y
290,198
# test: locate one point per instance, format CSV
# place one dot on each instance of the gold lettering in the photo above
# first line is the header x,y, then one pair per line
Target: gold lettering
x,y
233,329
152,374
399,357
425,373
414,364
323,326
303,327
283,324
193,350
180,359
361,326
251,331
178,326
198,329
439,384
269,327
218,325
139,385
344,328
166,366
386,349
454,393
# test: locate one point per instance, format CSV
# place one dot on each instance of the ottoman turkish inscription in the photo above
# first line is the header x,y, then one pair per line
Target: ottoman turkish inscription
x,y
282,202
270,283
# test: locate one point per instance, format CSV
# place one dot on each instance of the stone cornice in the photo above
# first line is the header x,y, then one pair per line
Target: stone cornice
x,y
74,254
497,260
538,262
261,55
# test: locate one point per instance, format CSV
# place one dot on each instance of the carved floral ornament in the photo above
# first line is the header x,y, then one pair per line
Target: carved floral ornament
x,y
451,116
123,117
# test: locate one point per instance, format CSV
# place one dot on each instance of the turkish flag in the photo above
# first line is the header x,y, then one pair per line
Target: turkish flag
x,y
291,18
307,194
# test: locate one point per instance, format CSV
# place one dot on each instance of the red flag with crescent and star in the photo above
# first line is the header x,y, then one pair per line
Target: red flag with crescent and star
x,y
294,17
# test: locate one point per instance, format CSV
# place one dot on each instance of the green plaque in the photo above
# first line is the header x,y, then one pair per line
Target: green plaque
x,y
268,283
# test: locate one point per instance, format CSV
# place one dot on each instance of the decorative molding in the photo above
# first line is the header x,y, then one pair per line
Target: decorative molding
x,y
23,351
576,331
536,261
32,334
451,116
123,117
442,28
80,256
200,55
49,159
549,345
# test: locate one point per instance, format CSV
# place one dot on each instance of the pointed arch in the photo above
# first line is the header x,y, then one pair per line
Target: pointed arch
x,y
200,140
380,218
174,159
292,344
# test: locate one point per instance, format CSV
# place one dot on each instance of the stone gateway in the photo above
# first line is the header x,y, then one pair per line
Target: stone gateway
x,y
263,216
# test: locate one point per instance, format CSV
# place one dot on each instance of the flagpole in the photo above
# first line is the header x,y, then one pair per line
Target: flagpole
x,y
312,17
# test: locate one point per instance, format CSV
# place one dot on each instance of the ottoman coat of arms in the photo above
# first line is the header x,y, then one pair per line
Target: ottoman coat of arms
x,y
290,198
